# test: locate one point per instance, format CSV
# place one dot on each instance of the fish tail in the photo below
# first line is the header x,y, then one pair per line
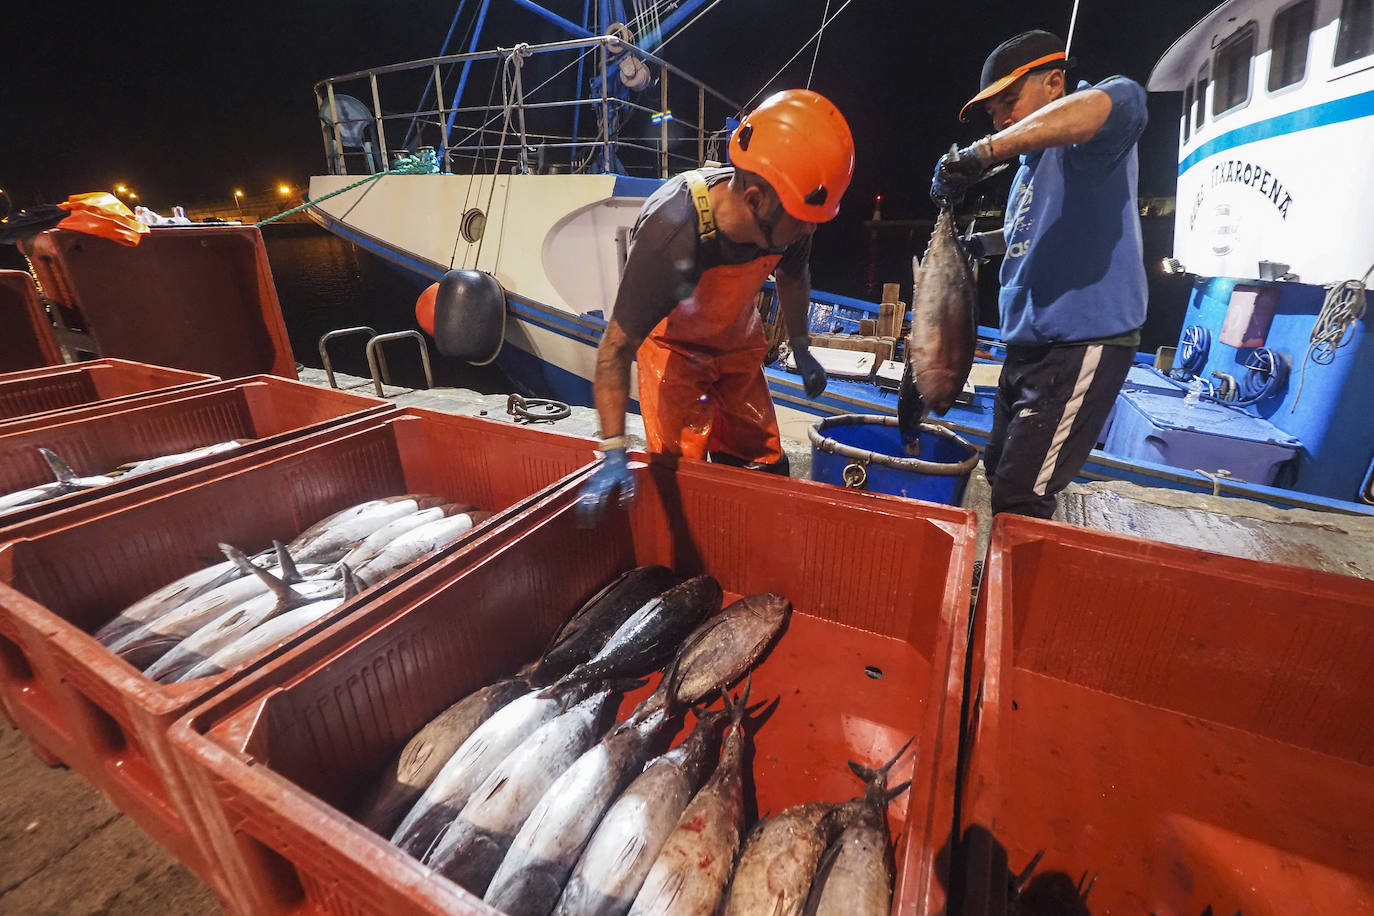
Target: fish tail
x,y
60,469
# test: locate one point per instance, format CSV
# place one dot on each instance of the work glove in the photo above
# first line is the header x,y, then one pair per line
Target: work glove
x,y
611,475
960,169
813,376
984,245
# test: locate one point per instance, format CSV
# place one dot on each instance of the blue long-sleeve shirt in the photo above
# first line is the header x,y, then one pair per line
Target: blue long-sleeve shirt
x,y
1074,269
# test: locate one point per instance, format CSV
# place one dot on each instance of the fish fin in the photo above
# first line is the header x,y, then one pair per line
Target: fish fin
x,y
1085,886
237,557
911,409
915,275
897,790
286,595
289,573
1019,881
352,585
60,469
283,558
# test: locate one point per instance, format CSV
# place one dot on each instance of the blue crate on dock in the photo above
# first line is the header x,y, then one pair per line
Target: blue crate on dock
x,y
1165,429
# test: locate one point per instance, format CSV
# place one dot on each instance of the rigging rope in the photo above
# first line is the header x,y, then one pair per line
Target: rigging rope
x,y
817,52
421,164
1343,307
814,37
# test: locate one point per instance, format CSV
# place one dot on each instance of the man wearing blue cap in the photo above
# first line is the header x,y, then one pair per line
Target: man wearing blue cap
x,y
1073,291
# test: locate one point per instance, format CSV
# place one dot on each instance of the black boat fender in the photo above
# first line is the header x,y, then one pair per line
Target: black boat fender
x,y
465,313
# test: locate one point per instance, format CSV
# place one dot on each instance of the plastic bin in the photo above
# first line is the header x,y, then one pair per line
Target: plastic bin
x,y
199,297
873,582
28,340
1196,729
95,440
866,453
1159,427
29,393
82,705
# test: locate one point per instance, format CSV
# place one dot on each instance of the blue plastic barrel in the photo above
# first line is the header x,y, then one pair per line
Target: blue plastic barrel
x,y
866,453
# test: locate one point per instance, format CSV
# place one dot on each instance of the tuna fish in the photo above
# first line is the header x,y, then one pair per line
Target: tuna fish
x,y
544,852
327,541
66,481
162,462
689,876
418,543
587,631
475,844
944,324
468,768
271,633
779,861
855,875
282,596
146,644
613,866
407,776
378,540
168,598
718,653
652,634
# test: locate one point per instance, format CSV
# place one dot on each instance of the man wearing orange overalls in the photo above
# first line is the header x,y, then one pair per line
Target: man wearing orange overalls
x,y
700,252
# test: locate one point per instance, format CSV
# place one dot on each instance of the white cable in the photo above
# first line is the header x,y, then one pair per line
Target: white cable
x,y
1343,307
690,23
818,46
1073,21
794,56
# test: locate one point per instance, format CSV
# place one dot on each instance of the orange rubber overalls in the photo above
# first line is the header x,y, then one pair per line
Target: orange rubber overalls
x,y
701,382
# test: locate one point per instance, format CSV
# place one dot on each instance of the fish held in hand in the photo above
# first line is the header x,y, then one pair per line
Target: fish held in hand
x,y
944,326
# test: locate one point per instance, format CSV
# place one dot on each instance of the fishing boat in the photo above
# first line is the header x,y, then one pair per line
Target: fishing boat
x,y
539,186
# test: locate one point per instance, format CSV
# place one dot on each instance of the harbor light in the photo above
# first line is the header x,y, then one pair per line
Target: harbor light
x,y
284,189
238,193
121,189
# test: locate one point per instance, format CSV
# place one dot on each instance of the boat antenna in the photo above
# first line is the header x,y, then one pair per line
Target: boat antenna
x,y
817,53
808,41
1073,21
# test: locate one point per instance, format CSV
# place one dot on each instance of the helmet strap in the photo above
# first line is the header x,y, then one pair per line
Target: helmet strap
x,y
769,223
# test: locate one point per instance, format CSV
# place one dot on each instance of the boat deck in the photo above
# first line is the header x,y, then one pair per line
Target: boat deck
x,y
65,850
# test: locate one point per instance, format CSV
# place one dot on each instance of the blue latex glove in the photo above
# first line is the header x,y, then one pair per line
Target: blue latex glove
x,y
611,475
960,169
813,376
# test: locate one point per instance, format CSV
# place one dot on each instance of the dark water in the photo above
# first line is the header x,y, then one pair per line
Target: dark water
x,y
325,283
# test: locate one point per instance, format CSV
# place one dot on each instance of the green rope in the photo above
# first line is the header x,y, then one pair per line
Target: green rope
x,y
425,163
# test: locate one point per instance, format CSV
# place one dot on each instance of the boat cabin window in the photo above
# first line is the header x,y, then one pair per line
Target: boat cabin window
x,y
1355,35
1201,98
1288,57
1231,70
1187,110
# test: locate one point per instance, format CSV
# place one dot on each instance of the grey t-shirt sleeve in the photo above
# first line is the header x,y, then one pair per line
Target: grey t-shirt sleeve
x,y
796,259
660,271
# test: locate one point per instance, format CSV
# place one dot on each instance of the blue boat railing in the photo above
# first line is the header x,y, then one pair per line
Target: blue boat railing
x,y
540,114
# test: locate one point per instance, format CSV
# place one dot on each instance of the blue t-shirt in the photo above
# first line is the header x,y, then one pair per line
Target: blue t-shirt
x,y
1074,267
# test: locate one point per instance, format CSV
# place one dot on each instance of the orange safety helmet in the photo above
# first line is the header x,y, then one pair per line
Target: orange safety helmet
x,y
798,141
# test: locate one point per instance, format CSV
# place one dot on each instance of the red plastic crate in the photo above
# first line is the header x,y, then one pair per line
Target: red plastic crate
x,y
97,439
28,340
81,704
197,297
1196,729
28,393
874,581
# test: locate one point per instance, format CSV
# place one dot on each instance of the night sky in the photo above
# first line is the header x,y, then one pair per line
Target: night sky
x,y
185,101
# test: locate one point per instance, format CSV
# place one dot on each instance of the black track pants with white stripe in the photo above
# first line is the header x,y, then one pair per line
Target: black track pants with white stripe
x,y
1051,404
